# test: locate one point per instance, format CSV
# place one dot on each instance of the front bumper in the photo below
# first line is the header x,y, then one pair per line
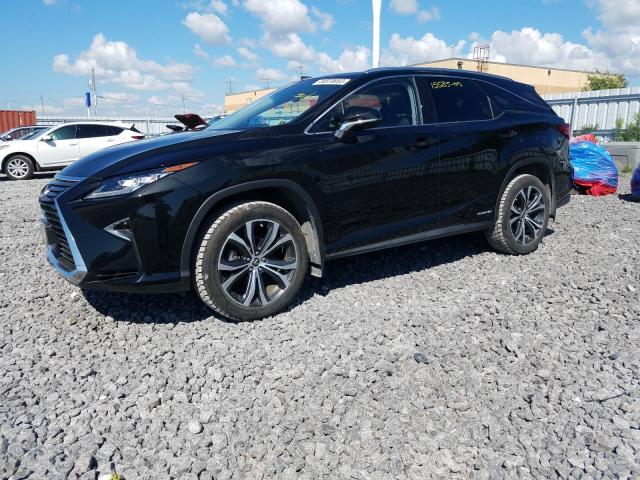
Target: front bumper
x,y
85,254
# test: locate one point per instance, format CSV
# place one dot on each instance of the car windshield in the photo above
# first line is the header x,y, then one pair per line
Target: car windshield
x,y
36,134
282,106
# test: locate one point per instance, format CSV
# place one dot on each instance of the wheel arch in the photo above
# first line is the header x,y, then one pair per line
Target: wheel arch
x,y
284,193
36,167
539,168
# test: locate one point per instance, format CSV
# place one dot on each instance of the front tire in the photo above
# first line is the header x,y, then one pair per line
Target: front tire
x,y
522,217
19,167
251,261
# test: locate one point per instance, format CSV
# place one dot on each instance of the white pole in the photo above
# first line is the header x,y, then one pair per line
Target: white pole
x,y
377,5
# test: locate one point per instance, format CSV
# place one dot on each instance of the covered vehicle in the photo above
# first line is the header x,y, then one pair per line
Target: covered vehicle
x,y
595,172
635,182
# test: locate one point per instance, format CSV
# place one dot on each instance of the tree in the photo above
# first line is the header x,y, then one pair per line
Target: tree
x,y
605,81
631,133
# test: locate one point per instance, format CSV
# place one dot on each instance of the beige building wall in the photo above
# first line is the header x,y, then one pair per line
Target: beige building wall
x,y
545,80
236,101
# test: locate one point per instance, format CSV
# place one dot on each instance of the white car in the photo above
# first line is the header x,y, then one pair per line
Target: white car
x,y
59,146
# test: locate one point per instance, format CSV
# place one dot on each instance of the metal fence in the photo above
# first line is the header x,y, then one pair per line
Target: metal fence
x,y
147,125
600,109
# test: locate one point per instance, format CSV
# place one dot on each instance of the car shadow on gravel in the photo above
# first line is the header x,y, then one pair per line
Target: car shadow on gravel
x,y
627,197
186,307
36,176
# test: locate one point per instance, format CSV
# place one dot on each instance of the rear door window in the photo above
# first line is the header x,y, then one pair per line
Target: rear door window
x,y
92,131
457,99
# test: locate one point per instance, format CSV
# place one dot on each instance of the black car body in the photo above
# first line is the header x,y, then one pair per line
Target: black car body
x,y
438,170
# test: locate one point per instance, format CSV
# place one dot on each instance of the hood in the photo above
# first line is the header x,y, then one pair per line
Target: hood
x,y
160,151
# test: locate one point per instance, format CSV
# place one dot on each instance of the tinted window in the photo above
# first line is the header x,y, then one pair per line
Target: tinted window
x,y
92,131
67,132
394,100
502,99
114,130
458,99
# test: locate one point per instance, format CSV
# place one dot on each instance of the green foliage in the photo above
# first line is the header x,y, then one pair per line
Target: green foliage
x,y
605,81
626,169
588,128
631,133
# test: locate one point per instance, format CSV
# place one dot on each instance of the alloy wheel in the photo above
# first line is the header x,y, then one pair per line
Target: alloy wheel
x,y
17,168
257,263
527,215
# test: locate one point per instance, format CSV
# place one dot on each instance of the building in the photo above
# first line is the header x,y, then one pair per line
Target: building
x,y
236,101
546,80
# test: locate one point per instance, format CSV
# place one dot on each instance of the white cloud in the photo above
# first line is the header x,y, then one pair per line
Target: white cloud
x,y
208,27
532,47
225,61
252,86
404,7
117,97
48,109
186,89
249,43
219,7
199,52
118,63
351,59
248,55
325,20
270,74
281,16
409,50
619,38
289,46
429,15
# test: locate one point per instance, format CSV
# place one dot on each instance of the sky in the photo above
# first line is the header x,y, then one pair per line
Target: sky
x,y
163,56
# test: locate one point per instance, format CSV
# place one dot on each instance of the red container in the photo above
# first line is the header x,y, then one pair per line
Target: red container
x,y
16,118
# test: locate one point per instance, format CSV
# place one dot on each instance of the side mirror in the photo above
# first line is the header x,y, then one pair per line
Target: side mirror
x,y
46,138
357,121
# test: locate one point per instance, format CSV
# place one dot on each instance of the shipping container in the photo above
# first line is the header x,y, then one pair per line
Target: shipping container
x,y
16,118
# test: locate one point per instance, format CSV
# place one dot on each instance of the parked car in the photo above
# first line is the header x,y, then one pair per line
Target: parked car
x,y
20,132
61,145
321,169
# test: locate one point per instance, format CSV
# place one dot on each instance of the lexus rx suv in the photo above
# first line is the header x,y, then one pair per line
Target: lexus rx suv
x,y
323,168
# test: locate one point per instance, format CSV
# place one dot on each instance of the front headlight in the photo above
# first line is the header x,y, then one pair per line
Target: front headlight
x,y
124,184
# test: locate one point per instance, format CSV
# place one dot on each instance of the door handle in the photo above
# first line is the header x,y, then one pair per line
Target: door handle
x,y
73,144
508,134
424,142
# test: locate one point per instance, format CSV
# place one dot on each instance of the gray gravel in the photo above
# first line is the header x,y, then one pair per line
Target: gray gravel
x,y
443,359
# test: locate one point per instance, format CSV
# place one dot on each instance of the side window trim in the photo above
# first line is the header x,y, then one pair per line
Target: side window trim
x,y
428,75
411,77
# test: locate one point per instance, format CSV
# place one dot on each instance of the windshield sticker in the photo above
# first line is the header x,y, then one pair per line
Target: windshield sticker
x,y
332,81
445,84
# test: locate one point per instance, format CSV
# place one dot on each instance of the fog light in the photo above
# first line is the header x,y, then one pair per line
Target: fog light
x,y
121,229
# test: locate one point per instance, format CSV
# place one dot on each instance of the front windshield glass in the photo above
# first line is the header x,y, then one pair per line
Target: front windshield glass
x,y
282,106
34,135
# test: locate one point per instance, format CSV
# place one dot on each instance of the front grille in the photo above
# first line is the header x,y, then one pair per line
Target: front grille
x,y
59,241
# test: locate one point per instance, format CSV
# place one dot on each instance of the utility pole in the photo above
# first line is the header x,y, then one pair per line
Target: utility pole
x,y
300,70
92,87
184,108
377,5
42,103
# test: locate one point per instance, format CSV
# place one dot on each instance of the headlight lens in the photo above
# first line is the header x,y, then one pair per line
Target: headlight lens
x,y
124,184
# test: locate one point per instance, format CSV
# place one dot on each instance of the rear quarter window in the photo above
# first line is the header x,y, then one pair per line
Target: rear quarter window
x,y
521,100
114,131
458,99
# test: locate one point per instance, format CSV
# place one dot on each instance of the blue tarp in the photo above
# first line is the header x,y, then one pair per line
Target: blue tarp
x,y
593,164
635,182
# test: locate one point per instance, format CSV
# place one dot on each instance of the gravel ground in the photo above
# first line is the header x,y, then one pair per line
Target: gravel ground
x,y
443,359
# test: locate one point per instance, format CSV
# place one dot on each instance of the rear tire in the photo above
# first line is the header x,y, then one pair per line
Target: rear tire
x,y
522,217
19,167
250,261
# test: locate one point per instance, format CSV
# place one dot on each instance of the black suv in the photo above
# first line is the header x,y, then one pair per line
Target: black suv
x,y
320,169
